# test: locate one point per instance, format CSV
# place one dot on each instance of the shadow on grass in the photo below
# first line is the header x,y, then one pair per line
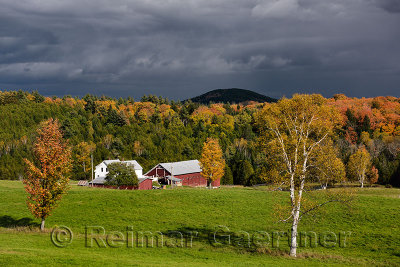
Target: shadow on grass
x,y
197,234
7,221
219,236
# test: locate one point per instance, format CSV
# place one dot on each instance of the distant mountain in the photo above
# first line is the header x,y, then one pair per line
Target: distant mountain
x,y
233,95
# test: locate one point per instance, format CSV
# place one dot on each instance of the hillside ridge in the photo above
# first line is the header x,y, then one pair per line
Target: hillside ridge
x,y
232,95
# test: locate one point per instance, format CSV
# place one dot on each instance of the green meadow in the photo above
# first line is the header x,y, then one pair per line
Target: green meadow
x,y
371,224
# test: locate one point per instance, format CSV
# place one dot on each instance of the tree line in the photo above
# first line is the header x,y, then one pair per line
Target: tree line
x,y
156,129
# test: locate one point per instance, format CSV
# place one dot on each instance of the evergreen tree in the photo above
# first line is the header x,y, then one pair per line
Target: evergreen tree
x,y
114,118
227,179
244,172
38,98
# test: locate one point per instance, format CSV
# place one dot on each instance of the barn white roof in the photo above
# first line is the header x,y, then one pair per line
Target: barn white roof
x,y
182,167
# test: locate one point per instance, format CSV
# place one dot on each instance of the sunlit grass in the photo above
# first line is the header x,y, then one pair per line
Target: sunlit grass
x,y
372,219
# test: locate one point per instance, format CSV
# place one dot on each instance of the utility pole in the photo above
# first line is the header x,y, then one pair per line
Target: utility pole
x,y
91,156
172,175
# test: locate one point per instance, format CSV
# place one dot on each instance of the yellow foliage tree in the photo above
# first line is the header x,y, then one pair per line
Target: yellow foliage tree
x,y
326,167
138,148
290,133
82,153
360,167
212,161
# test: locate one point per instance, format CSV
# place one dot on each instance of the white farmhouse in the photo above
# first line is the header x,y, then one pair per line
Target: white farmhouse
x,y
101,170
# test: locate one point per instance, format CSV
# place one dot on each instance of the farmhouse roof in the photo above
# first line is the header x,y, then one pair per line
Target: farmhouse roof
x,y
107,162
133,163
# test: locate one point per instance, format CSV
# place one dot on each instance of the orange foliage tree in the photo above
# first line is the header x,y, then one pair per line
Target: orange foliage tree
x,y
47,178
212,161
383,112
373,175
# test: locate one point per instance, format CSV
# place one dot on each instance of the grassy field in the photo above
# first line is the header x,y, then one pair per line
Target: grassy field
x,y
373,220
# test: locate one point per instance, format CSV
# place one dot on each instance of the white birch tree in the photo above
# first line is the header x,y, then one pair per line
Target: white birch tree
x,y
290,131
359,164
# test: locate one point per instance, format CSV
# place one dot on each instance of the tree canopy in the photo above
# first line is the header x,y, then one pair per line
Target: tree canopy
x,y
47,177
121,174
212,161
291,132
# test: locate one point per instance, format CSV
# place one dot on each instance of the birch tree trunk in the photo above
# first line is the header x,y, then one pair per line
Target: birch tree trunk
x,y
293,238
42,225
362,181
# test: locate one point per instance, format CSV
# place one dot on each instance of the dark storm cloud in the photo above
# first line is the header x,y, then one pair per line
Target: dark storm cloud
x,y
392,6
182,48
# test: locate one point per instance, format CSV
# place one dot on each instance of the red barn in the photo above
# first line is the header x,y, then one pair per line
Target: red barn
x,y
189,172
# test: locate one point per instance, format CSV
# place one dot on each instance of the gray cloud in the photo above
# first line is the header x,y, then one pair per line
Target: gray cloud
x,y
182,48
392,6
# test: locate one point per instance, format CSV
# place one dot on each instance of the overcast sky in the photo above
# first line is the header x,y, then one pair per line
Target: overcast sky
x,y
180,49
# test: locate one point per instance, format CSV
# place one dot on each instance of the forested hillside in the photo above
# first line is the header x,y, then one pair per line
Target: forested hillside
x,y
158,130
233,95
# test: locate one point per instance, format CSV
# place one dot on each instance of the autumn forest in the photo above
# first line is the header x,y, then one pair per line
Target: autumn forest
x,y
156,129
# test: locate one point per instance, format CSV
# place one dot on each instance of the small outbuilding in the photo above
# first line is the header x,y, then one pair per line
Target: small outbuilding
x,y
174,181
